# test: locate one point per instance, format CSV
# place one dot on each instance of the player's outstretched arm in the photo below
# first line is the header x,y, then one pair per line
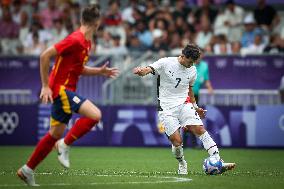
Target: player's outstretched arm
x,y
142,71
103,70
46,93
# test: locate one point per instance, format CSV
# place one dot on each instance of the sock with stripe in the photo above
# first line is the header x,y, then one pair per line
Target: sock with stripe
x,y
42,149
79,129
178,153
209,145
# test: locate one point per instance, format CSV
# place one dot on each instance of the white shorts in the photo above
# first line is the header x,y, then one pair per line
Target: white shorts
x,y
179,116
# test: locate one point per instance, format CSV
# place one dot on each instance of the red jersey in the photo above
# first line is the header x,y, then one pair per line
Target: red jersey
x,y
73,54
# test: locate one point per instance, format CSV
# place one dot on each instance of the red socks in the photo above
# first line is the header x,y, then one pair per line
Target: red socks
x,y
80,128
45,145
42,149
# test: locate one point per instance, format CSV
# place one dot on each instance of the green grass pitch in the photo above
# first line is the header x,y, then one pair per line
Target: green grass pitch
x,y
98,167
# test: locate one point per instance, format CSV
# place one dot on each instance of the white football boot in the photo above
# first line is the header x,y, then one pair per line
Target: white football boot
x,y
182,168
27,175
227,166
63,153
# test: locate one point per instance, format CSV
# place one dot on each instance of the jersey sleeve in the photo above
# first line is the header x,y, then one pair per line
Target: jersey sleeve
x,y
157,66
193,78
66,46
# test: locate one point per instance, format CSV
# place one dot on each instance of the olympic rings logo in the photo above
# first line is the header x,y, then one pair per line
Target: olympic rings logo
x,y
8,122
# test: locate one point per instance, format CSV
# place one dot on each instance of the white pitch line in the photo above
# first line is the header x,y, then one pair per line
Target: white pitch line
x,y
175,179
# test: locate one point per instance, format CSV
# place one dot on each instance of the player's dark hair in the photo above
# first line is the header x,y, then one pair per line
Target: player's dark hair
x,y
90,14
191,51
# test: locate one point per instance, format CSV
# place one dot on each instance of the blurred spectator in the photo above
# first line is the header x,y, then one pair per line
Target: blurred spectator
x,y
255,48
113,21
75,16
9,28
49,14
233,19
221,24
9,33
236,47
36,47
44,35
113,15
114,47
181,26
150,10
175,44
250,32
159,45
207,10
128,12
222,46
204,35
104,42
134,44
275,46
144,35
58,33
181,10
158,27
24,29
17,11
118,48
264,14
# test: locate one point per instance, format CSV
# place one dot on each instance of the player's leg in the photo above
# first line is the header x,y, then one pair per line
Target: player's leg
x,y
83,125
190,119
177,151
92,116
43,148
171,124
209,145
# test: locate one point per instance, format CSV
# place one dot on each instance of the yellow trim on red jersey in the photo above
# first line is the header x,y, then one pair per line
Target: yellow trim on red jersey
x,y
85,60
60,58
64,99
67,80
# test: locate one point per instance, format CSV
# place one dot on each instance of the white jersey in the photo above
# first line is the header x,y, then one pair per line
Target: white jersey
x,y
174,81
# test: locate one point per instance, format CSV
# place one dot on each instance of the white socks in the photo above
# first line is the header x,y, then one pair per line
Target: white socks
x,y
25,168
178,153
209,145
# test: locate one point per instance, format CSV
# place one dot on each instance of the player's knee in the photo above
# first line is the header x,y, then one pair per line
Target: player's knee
x,y
56,134
98,115
177,142
198,130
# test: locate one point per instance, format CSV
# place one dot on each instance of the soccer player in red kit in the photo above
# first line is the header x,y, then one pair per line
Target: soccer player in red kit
x,y
71,56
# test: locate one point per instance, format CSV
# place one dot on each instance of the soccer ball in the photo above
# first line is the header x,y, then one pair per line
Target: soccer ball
x,y
212,166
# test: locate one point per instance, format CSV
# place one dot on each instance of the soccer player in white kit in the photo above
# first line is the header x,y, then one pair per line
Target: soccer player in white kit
x,y
176,76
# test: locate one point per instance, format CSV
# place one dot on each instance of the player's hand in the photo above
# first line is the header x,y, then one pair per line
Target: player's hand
x,y
46,95
138,71
201,112
109,72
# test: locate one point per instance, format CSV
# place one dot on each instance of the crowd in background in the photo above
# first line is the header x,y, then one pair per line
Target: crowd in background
x,y
164,26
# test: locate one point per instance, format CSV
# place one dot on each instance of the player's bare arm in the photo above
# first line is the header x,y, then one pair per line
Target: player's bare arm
x,y
142,71
46,93
103,70
209,87
200,111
